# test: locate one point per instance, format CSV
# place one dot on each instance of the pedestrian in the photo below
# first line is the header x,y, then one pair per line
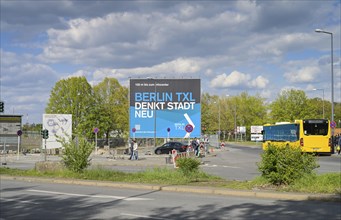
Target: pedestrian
x,y
338,147
222,145
206,144
136,155
195,146
131,149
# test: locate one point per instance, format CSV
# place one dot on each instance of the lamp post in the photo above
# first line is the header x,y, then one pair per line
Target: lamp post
x,y
235,123
322,99
226,110
332,71
218,120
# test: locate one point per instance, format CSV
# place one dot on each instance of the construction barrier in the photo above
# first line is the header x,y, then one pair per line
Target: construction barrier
x,y
176,155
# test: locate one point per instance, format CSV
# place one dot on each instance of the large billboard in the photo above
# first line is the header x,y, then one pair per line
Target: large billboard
x,y
58,125
165,108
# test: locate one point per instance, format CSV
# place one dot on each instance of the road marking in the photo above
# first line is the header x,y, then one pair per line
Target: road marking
x,y
213,165
231,167
91,196
19,201
140,216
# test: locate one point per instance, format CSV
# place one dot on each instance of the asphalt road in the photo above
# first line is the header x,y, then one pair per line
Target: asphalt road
x,y
33,200
233,163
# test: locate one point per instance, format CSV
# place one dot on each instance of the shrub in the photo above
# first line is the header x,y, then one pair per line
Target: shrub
x,y
284,165
76,153
188,165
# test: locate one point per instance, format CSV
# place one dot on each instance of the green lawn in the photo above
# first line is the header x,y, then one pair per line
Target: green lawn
x,y
325,183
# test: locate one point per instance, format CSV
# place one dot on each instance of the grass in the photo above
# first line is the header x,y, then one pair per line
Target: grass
x,y
325,183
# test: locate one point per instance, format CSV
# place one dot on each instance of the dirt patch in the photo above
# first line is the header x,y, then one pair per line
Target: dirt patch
x,y
48,166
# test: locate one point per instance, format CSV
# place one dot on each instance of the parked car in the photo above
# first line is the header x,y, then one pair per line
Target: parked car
x,y
169,146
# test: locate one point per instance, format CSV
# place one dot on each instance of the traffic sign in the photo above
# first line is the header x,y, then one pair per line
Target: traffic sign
x,y
189,128
133,130
333,124
96,130
19,133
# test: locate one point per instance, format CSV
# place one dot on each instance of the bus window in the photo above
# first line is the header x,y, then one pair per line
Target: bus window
x,y
315,128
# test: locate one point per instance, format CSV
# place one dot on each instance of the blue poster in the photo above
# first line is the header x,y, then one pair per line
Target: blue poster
x,y
164,108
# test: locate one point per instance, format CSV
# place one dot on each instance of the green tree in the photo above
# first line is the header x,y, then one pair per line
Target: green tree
x,y
209,118
290,105
113,110
315,106
245,109
250,110
72,96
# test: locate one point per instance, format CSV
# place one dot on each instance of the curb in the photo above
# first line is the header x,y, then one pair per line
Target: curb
x,y
187,189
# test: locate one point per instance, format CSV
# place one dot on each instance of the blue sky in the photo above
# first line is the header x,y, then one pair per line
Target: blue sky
x,y
261,47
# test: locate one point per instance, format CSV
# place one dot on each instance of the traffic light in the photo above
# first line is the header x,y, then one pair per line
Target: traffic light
x,y
2,107
45,133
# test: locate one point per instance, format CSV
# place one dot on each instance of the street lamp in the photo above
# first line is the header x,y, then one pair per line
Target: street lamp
x,y
322,99
332,71
218,102
227,95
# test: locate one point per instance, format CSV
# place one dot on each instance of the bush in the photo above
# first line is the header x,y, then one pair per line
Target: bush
x,y
284,165
188,165
76,154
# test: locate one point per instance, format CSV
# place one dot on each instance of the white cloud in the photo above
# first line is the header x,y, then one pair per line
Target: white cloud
x,y
272,44
175,68
260,82
303,75
236,79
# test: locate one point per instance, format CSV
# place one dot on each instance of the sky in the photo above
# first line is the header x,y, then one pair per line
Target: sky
x,y
258,47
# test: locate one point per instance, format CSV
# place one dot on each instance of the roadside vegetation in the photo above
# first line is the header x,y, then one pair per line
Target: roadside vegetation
x,y
325,183
284,165
282,169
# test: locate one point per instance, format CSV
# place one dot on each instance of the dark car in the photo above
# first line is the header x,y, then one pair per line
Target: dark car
x,y
169,146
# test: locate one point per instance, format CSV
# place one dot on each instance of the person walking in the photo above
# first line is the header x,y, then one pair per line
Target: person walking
x,y
131,148
195,146
338,147
136,155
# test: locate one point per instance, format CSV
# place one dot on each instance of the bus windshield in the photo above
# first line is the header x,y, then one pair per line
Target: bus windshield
x,y
315,127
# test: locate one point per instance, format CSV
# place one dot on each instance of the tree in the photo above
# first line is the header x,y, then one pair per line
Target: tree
x,y
113,101
251,110
208,122
316,108
72,96
290,105
247,110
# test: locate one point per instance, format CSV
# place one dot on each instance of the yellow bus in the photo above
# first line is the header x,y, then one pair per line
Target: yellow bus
x,y
311,135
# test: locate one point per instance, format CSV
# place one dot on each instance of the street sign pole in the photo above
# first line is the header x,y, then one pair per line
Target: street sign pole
x,y
5,152
96,143
19,133
18,147
168,130
45,150
96,131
